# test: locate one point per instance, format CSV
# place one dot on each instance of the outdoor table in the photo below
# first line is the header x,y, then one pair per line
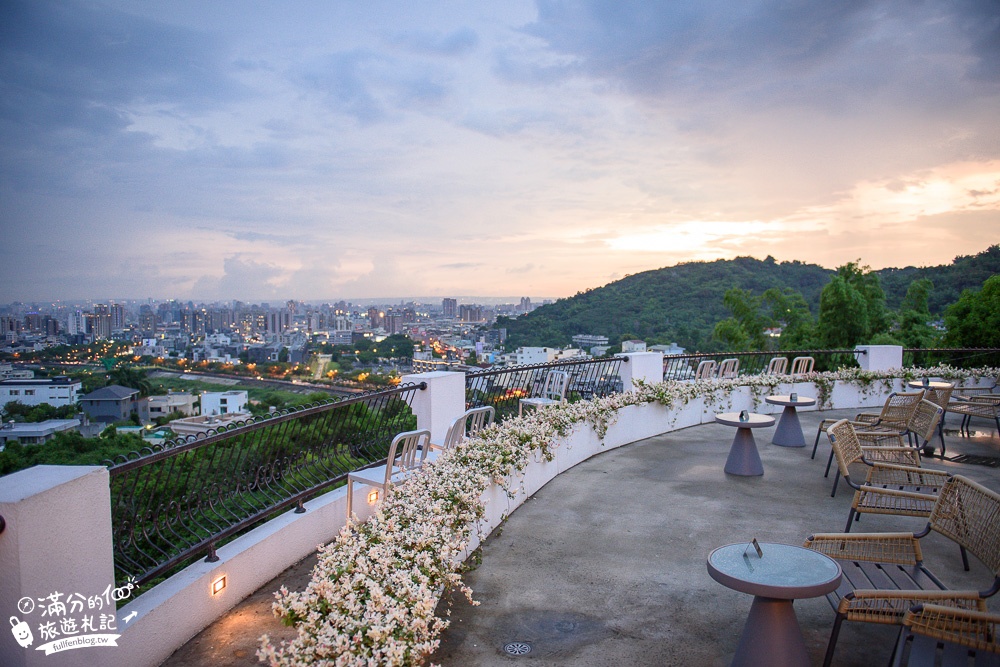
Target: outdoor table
x,y
743,456
936,384
789,431
771,634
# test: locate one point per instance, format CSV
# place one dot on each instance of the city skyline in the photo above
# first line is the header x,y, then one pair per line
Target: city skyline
x,y
314,149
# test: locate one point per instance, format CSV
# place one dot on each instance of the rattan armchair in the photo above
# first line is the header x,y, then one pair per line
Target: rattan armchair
x,y
935,634
884,573
921,426
984,406
896,412
888,488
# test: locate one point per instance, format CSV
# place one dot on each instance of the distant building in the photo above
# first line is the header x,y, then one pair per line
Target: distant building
x,y
205,423
449,307
8,372
223,402
152,407
56,392
37,432
589,340
110,404
633,346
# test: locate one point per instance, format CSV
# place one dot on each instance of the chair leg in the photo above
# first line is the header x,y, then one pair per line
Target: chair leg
x,y
965,558
350,495
819,432
850,519
836,481
829,462
832,644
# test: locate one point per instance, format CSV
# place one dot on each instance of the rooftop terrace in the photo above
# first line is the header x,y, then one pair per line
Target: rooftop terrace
x,y
605,564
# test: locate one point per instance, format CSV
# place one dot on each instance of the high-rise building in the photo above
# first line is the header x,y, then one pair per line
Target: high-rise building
x,y
449,307
100,322
117,311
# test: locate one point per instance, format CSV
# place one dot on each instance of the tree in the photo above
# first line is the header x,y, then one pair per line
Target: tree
x,y
912,328
974,320
790,310
852,307
744,330
132,378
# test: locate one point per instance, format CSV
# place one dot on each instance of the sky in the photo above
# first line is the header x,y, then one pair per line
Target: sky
x,y
329,149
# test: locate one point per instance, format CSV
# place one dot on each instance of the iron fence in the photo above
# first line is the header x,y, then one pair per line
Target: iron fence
x,y
504,387
684,366
965,357
173,502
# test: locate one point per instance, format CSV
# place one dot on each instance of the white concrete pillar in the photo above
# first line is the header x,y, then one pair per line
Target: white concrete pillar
x,y
880,357
438,405
645,366
57,540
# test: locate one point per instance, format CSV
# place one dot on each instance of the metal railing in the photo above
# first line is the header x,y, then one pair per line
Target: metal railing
x,y
504,387
963,357
684,366
171,503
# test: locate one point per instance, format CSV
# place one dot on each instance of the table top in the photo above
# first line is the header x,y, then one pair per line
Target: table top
x,y
785,571
755,421
936,384
787,400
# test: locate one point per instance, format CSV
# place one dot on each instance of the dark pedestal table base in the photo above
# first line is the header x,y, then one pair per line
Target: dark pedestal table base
x,y
771,636
789,431
743,458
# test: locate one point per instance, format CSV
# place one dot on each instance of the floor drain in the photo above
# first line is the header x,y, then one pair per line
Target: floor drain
x,y
517,648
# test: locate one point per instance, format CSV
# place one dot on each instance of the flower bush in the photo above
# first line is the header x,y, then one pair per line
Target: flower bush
x,y
374,590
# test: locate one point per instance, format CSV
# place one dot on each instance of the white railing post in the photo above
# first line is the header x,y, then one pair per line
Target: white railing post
x,y
57,542
880,357
645,366
437,405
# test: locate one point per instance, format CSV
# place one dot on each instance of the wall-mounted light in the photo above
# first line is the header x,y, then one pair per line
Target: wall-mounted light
x,y
219,585
373,497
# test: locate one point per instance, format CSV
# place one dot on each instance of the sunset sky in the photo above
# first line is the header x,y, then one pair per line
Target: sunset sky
x,y
330,149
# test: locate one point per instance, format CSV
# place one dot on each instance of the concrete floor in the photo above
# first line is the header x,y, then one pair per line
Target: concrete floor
x,y
605,565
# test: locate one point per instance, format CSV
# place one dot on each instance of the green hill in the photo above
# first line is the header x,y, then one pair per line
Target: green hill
x,y
682,303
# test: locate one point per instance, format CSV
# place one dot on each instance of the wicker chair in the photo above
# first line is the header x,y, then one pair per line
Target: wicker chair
x,y
777,366
553,392
896,412
921,426
464,425
884,573
407,452
941,398
968,392
935,634
983,406
888,488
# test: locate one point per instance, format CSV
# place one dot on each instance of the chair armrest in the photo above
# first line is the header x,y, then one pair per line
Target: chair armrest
x,y
875,438
887,473
891,606
900,548
866,418
967,627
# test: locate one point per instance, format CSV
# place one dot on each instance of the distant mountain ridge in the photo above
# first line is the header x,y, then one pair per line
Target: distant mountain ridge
x,y
682,303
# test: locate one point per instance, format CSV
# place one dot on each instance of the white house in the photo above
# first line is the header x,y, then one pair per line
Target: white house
x,y
223,402
57,391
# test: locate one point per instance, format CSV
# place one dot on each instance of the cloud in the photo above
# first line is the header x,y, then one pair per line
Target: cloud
x,y
460,42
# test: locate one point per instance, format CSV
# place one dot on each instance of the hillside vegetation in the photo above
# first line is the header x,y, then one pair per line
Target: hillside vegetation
x,y
683,303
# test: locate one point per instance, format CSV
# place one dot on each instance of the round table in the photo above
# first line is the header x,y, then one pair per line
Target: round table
x,y
789,431
743,456
936,385
771,634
